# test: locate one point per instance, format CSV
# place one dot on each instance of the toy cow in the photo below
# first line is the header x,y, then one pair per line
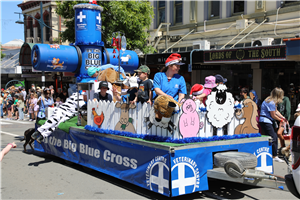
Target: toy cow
x,y
125,123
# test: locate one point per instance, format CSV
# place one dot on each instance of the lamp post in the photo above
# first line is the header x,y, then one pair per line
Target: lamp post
x,y
42,25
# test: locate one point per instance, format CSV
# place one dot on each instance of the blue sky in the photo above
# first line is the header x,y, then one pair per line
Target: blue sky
x,y
9,29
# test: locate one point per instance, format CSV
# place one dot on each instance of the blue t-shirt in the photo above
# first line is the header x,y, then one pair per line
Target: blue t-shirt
x,y
173,87
265,115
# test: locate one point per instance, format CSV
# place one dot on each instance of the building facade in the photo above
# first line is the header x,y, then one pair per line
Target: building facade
x,y
32,29
32,35
218,28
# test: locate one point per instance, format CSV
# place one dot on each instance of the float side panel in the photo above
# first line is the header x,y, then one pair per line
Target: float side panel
x,y
134,163
189,166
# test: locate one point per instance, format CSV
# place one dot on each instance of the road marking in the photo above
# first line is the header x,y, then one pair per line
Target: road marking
x,y
9,134
4,121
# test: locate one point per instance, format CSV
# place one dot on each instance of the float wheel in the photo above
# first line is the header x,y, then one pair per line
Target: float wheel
x,y
247,160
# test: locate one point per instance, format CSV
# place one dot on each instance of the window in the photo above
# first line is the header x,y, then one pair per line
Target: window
x,y
161,12
238,7
39,32
289,3
175,50
214,8
31,27
182,49
47,22
190,48
193,16
178,12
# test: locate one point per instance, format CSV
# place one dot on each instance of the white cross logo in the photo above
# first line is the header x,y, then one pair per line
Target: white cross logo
x,y
263,160
182,182
159,180
99,18
80,16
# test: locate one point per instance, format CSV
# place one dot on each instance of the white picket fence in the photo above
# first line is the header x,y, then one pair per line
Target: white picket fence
x,y
112,116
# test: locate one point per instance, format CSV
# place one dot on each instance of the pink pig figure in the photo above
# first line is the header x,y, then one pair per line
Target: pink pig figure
x,y
189,121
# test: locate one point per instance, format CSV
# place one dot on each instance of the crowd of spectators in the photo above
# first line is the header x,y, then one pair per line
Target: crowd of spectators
x,y
16,103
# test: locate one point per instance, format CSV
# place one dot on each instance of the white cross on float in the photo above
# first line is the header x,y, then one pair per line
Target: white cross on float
x,y
182,182
263,160
159,180
81,16
99,18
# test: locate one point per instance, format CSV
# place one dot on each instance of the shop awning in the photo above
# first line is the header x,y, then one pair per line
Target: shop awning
x,y
25,54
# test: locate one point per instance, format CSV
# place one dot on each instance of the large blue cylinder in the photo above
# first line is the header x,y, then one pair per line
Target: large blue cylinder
x,y
88,24
91,57
54,57
129,60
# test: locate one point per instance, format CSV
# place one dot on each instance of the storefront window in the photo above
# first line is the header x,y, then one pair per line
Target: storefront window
x,y
238,76
283,75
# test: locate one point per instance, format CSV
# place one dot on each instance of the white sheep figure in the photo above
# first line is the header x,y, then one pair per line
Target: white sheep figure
x,y
220,106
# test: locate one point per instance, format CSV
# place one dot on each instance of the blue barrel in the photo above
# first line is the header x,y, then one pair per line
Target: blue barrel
x,y
129,60
54,57
88,24
91,57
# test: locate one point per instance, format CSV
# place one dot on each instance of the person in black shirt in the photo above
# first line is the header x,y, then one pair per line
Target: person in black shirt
x,y
144,93
102,95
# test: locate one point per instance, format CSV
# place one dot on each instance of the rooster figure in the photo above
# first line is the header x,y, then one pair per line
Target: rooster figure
x,y
98,119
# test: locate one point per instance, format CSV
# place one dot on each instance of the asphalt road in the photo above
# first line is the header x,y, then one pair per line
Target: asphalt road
x,y
34,175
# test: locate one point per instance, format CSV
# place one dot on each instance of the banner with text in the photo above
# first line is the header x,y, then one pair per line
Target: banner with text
x,y
134,163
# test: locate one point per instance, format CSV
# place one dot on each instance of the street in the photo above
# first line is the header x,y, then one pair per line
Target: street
x,y
34,175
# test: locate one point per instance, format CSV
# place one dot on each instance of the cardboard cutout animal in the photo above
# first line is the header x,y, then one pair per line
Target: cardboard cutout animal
x,y
125,123
161,112
249,113
189,121
220,108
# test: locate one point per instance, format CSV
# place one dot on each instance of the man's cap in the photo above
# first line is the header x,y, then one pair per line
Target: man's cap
x,y
144,69
174,58
103,84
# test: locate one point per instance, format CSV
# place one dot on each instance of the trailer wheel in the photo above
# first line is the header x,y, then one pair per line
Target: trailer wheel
x,y
236,165
247,160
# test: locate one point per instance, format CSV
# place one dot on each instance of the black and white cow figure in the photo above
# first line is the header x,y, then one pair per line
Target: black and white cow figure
x,y
61,114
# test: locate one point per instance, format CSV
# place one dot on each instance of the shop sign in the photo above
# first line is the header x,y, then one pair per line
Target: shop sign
x,y
246,54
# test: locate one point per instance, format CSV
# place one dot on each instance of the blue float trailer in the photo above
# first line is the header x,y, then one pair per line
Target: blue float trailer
x,y
168,168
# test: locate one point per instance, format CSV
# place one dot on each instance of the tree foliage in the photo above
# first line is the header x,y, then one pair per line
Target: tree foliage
x,y
2,54
132,18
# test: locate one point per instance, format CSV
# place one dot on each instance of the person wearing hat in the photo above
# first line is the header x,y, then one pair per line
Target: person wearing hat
x,y
9,104
196,91
144,93
210,83
169,82
220,79
103,95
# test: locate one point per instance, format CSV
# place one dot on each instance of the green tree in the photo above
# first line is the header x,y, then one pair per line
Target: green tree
x,y
2,54
130,17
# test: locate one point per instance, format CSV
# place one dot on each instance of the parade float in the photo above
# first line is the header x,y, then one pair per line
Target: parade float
x,y
172,157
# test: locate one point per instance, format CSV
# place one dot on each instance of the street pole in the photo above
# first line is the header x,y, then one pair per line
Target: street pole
x,y
42,38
